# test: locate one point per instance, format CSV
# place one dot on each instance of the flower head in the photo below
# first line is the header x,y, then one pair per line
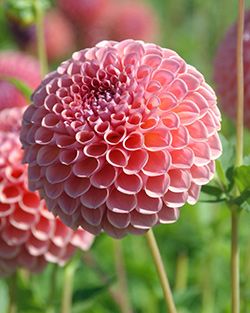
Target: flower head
x,y
225,70
83,12
59,35
20,66
30,236
11,119
120,137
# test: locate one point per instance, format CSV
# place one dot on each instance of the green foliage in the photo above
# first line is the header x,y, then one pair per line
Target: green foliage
x,y
24,11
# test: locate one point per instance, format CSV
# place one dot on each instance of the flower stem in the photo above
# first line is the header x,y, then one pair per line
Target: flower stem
x,y
181,274
161,271
235,277
122,279
52,289
12,294
69,272
40,37
240,84
235,281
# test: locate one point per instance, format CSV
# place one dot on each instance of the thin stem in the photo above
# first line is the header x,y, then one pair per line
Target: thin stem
x,y
69,272
161,271
40,37
122,279
52,289
181,272
235,276
91,262
12,294
240,85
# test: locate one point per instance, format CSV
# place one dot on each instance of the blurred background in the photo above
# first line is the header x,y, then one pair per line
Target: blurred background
x,y
196,249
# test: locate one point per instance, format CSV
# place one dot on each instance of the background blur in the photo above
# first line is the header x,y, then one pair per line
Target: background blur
x,y
196,249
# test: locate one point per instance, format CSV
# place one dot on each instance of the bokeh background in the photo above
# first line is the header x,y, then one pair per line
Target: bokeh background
x,y
196,249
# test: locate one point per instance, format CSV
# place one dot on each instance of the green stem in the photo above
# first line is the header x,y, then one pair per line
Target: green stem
x,y
161,271
122,279
91,262
235,276
181,272
40,36
240,84
52,289
68,283
12,294
235,281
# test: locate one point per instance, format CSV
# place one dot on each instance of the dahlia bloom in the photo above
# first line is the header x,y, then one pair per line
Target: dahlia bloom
x,y
59,35
121,21
20,66
11,119
225,71
30,236
120,137
83,12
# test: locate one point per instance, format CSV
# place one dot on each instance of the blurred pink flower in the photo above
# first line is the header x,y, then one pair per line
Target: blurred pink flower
x,y
22,67
11,119
123,20
120,137
60,39
30,236
83,12
225,71
59,35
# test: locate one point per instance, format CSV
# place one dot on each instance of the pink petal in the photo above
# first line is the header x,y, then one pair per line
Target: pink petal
x,y
180,180
129,184
147,205
119,202
157,186
158,163
175,199
94,197
168,215
76,186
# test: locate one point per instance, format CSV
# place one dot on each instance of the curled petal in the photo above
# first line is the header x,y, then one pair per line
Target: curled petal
x,y
119,202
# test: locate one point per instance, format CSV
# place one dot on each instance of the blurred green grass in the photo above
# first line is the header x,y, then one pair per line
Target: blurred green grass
x,y
193,28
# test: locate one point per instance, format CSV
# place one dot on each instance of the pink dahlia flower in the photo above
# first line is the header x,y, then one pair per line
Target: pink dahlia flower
x,y
30,236
20,66
225,71
59,35
121,21
83,12
11,119
120,137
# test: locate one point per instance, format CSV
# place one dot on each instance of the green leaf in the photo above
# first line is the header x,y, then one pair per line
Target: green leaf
x,y
242,177
212,190
242,181
228,155
25,90
84,294
21,86
4,296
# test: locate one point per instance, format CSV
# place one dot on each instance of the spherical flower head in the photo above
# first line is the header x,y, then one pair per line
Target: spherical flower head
x,y
22,67
120,137
225,71
129,19
30,236
83,12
